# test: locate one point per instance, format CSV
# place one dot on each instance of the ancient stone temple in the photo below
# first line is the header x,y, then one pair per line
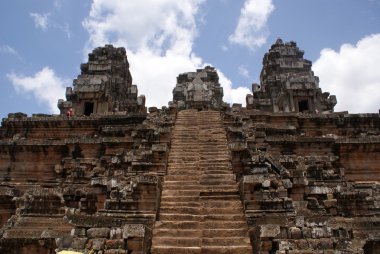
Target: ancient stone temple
x,y
285,174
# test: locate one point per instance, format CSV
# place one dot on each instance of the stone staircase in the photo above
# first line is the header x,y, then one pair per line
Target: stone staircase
x,y
200,207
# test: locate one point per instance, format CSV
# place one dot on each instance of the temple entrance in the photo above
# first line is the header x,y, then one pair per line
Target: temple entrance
x,y
303,106
88,108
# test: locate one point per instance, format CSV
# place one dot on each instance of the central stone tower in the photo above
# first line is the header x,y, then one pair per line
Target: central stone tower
x,y
198,90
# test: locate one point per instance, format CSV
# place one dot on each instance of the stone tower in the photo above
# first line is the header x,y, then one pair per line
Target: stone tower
x,y
200,90
288,84
104,85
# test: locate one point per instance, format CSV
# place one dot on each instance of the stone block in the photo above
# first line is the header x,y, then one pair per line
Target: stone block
x,y
287,183
78,231
66,242
306,232
115,244
321,244
79,243
266,183
116,233
115,251
159,147
98,243
320,232
321,190
295,233
133,230
300,221
300,244
152,109
269,230
283,245
98,232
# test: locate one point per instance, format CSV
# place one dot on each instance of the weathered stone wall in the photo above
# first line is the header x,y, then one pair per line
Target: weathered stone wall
x,y
308,182
86,183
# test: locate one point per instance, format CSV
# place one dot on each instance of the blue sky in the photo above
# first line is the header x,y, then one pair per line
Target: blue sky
x,y
43,43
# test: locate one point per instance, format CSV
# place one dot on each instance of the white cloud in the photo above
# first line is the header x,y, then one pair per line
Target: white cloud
x,y
352,74
158,37
40,20
243,71
6,49
232,95
251,30
45,86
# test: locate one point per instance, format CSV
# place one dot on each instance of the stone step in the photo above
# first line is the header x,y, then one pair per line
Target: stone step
x,y
238,249
177,225
181,177
210,182
225,241
180,204
194,158
215,233
220,224
177,233
222,210
156,249
180,217
217,177
199,164
181,210
221,203
177,241
204,172
180,199
212,196
202,188
173,193
181,183
199,145
224,217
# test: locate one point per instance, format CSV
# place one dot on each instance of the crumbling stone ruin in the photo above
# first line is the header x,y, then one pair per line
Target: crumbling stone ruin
x,y
198,90
288,84
283,175
104,85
